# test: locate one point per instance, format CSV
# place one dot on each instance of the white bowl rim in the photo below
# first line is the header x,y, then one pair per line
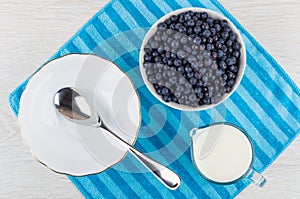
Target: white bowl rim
x,y
214,15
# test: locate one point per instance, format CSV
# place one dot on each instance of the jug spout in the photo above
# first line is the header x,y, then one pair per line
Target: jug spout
x,y
196,131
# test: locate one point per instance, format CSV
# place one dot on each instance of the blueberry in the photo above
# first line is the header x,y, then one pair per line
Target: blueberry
x,y
219,72
204,15
184,40
180,69
173,55
220,53
204,79
177,62
234,69
167,54
172,26
222,65
224,23
209,40
193,81
198,90
187,17
195,65
199,23
206,33
164,38
151,79
178,25
195,48
157,38
170,62
175,44
174,18
177,35
191,23
202,47
192,36
187,49
165,60
187,91
198,14
174,99
165,91
197,30
231,75
147,57
209,47
230,61
157,59
227,89
230,83
223,58
232,36
169,40
190,12
214,55
224,77
206,54
189,75
154,44
192,59
158,76
182,29
158,91
173,80
162,25
217,27
218,45
213,31
189,31
204,26
210,20
197,40
181,19
188,69
236,46
200,57
236,54
154,53
147,66
229,43
224,48
207,62
179,88
214,66
225,35
167,98
192,97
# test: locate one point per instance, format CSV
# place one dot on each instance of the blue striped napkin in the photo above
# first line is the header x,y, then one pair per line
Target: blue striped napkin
x,y
266,105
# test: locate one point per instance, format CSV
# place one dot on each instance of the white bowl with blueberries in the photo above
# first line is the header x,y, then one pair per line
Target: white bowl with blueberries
x,y
192,59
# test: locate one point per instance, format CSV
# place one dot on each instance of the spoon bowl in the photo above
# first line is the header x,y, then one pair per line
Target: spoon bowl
x,y
74,107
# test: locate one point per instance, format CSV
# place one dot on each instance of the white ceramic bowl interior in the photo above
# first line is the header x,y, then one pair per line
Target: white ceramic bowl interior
x,y
214,15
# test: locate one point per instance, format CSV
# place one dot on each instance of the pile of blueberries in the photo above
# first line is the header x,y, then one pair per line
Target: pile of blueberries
x,y
192,59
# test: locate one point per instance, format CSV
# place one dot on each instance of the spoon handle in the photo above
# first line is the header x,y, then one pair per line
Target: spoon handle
x,y
161,172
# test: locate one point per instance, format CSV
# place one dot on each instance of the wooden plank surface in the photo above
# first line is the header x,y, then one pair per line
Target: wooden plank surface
x,y
31,31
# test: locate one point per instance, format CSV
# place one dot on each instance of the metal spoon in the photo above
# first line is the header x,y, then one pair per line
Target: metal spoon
x,y
73,106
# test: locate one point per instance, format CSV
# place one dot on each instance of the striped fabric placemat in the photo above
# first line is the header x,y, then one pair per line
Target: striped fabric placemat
x,y
266,105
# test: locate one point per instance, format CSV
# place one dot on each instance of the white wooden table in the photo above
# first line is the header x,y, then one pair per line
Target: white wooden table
x,y
31,31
